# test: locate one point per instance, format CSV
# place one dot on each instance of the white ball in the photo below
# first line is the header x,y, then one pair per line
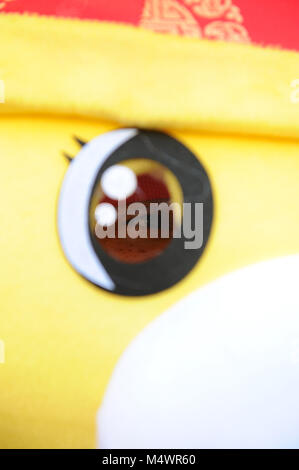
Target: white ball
x,y
105,214
119,182
220,369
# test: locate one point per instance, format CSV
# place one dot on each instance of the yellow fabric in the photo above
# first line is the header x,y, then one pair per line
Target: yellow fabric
x,y
137,77
62,335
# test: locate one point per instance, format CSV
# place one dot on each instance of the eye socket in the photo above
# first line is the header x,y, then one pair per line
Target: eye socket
x,y
108,178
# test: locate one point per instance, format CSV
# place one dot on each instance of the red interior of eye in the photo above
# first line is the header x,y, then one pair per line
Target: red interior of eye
x,y
149,189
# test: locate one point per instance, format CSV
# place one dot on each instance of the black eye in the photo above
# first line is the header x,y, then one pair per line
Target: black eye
x,y
135,211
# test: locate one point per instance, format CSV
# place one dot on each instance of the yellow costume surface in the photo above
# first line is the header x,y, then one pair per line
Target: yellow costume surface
x,y
62,336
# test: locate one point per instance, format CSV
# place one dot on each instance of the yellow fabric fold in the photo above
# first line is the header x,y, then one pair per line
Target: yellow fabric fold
x,y
136,77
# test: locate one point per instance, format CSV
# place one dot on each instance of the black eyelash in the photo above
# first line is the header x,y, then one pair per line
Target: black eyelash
x,y
80,142
68,157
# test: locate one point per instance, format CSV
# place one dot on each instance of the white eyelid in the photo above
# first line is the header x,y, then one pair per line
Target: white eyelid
x,y
73,206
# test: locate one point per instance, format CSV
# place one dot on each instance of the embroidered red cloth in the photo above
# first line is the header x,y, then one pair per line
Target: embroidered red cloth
x,y
267,22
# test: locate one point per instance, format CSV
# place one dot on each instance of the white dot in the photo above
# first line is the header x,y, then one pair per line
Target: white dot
x,y
119,182
105,214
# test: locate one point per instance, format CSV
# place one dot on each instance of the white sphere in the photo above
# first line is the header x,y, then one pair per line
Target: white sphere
x,y
119,182
220,369
105,214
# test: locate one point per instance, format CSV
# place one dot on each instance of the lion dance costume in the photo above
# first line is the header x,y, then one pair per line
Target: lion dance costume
x,y
117,343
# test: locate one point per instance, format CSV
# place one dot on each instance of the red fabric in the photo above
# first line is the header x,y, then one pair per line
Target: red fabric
x,y
127,11
268,22
272,22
